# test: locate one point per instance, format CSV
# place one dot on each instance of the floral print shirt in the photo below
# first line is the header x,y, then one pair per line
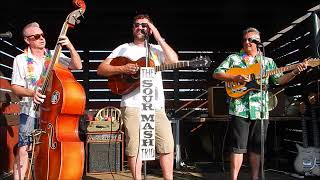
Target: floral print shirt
x,y
249,105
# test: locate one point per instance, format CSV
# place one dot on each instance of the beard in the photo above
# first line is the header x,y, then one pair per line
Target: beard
x,y
139,37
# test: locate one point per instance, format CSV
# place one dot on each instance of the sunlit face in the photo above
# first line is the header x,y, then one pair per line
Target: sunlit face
x,y
138,25
250,47
34,38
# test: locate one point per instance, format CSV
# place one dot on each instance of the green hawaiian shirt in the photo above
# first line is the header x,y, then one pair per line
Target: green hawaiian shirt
x,y
249,105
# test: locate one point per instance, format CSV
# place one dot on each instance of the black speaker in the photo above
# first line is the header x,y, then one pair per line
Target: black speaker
x,y
218,101
104,152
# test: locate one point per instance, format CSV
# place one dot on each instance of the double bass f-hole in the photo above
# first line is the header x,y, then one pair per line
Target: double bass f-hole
x,y
52,144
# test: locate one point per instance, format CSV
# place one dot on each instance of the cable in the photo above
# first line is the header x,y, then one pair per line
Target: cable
x,y
108,154
223,144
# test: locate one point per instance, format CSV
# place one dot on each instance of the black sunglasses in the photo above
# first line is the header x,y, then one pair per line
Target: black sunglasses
x,y
36,36
142,25
251,39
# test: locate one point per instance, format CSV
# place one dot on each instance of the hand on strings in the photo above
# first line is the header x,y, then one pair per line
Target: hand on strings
x,y
300,67
130,68
38,98
241,78
64,41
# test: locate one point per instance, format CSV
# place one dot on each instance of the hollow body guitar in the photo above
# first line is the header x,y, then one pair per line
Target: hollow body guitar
x,y
125,83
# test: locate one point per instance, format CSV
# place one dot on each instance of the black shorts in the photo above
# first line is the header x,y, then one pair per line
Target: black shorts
x,y
246,134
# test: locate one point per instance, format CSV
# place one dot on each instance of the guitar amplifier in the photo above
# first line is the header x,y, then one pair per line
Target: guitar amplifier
x,y
104,152
101,126
218,102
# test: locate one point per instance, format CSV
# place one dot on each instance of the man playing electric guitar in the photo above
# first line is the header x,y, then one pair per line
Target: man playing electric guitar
x,y
246,110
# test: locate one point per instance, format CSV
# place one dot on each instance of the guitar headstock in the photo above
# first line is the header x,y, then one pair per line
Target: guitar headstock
x,y
201,61
313,62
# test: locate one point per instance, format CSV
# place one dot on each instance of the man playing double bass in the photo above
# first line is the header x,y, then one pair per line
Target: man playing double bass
x,y
27,70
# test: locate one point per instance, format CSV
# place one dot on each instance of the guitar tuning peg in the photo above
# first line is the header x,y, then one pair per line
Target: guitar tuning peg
x,y
78,21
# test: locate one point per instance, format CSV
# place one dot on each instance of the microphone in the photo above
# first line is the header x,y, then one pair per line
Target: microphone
x,y
6,35
256,41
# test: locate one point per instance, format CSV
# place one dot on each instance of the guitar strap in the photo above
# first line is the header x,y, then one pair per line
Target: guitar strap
x,y
154,56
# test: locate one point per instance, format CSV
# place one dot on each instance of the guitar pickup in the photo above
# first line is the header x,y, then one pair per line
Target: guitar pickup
x,y
239,90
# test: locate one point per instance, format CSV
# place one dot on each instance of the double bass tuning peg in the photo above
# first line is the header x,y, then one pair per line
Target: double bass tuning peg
x,y
76,20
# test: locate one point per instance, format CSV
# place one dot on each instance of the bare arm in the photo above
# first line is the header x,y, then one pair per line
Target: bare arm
x,y
170,55
25,92
75,57
105,69
289,76
21,91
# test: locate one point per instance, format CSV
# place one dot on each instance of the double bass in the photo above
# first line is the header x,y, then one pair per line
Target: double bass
x,y
60,152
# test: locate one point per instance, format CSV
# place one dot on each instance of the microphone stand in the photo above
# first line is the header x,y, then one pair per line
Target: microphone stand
x,y
147,45
263,105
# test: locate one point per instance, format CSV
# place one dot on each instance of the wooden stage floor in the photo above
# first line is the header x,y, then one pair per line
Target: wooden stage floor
x,y
204,173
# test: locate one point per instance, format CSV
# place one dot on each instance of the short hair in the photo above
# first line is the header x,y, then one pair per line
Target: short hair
x,y
33,24
142,16
250,29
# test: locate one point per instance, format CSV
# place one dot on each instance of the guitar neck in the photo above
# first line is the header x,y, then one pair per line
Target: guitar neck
x,y
54,59
304,131
315,127
177,65
280,70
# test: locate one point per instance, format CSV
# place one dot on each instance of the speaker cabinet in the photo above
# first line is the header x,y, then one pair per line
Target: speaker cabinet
x,y
218,101
104,152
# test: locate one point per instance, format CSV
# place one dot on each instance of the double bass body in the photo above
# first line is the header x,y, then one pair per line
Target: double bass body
x,y
61,152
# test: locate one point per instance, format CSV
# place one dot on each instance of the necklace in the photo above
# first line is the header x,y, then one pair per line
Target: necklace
x,y
30,68
246,57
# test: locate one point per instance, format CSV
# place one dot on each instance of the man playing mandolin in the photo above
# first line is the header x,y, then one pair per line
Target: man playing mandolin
x,y
245,110
159,54
28,68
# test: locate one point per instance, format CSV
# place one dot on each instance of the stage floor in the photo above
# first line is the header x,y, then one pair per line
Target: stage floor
x,y
195,173
202,171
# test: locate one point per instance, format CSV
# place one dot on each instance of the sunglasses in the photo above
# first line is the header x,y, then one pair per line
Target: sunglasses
x,y
251,39
142,25
36,36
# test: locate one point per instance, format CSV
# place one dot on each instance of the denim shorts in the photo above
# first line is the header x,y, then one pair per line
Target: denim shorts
x,y
25,130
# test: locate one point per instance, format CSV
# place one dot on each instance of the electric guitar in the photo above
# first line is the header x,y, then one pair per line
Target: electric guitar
x,y
307,161
316,151
125,83
304,161
237,90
